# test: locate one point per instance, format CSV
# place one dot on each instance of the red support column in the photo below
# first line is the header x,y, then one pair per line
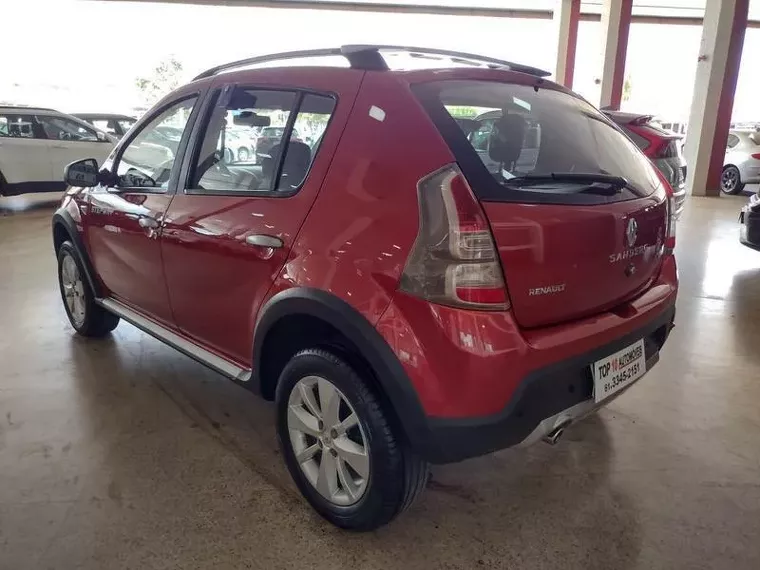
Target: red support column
x,y
566,17
726,103
712,103
616,23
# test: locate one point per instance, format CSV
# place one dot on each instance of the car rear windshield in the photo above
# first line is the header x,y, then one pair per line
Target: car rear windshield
x,y
503,134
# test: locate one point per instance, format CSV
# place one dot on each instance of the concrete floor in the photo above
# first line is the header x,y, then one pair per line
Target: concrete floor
x,y
122,453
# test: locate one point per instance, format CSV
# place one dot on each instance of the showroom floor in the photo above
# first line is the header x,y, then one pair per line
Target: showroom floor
x,y
122,453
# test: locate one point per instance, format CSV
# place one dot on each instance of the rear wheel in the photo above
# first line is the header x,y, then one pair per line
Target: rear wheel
x,y
339,446
731,180
85,315
244,154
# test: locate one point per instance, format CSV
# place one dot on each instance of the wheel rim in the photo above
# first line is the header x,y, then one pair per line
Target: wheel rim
x,y
242,155
73,290
328,441
729,179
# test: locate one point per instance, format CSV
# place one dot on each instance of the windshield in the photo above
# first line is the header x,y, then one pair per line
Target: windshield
x,y
521,131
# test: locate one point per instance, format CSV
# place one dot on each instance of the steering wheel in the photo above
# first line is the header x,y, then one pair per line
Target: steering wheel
x,y
165,172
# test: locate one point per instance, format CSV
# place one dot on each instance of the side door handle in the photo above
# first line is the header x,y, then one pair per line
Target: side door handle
x,y
148,223
262,240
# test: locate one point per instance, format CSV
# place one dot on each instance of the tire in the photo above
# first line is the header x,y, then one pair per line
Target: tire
x,y
731,180
394,475
243,154
85,315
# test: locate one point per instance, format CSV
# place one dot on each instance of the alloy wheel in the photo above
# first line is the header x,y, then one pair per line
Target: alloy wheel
x,y
73,290
243,155
328,440
729,180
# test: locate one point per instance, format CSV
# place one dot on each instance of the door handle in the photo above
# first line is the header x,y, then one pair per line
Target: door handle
x,y
148,222
262,240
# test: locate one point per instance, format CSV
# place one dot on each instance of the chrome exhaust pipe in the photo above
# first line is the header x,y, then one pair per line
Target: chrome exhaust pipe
x,y
553,436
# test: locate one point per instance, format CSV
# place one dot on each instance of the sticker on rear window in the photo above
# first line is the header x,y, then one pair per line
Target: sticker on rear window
x,y
377,113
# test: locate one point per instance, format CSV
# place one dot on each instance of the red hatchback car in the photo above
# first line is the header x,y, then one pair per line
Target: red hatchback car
x,y
402,302
663,147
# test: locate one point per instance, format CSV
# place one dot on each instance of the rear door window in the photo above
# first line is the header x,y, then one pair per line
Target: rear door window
x,y
518,132
20,127
260,141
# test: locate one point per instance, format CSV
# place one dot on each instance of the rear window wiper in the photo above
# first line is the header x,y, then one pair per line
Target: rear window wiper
x,y
604,184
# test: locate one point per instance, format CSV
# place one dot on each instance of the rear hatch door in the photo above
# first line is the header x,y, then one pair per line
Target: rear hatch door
x,y
577,212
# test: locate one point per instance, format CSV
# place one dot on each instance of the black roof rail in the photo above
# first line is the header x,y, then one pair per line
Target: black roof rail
x,y
369,58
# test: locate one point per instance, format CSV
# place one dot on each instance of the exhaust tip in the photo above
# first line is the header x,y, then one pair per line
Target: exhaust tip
x,y
553,436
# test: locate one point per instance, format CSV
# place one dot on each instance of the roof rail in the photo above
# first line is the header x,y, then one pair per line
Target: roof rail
x,y
27,107
369,58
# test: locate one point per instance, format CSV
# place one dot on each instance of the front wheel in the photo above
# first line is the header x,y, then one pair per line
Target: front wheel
x,y
731,180
340,447
85,315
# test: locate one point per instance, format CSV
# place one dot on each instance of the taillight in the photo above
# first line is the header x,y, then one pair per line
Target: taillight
x,y
756,155
670,233
454,260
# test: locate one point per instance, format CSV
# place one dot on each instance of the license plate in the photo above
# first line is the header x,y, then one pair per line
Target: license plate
x,y
615,372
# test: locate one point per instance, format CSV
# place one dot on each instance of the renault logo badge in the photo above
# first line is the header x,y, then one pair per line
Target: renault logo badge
x,y
631,232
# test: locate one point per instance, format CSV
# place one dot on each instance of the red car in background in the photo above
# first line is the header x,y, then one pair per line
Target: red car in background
x,y
663,147
401,300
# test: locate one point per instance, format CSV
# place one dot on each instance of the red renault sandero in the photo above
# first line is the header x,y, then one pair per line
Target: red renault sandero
x,y
406,289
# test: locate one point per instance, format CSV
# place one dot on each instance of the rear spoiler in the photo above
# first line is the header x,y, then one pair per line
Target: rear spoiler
x,y
635,120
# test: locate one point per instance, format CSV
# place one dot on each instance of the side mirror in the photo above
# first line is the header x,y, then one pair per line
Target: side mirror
x,y
82,173
102,137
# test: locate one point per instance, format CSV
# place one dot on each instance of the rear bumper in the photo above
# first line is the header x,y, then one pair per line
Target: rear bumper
x,y
749,225
548,398
483,384
750,172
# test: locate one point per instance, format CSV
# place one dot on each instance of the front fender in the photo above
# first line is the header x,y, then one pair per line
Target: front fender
x,y
63,221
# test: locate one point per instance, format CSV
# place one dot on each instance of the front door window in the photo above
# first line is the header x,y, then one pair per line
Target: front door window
x,y
149,158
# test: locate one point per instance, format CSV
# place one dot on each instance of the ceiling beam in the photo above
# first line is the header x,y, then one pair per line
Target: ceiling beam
x,y
397,8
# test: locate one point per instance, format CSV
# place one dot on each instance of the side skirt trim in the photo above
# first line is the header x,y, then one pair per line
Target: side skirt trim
x,y
185,346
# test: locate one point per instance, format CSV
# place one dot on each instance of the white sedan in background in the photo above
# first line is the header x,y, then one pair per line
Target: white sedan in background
x,y
742,163
36,144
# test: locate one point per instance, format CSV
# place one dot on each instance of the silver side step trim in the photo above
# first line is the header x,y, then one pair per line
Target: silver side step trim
x,y
213,361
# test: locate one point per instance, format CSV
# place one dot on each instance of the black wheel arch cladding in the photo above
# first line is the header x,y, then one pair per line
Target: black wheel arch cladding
x,y
62,221
377,354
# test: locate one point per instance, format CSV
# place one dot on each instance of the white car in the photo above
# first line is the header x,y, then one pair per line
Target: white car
x,y
36,144
742,162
